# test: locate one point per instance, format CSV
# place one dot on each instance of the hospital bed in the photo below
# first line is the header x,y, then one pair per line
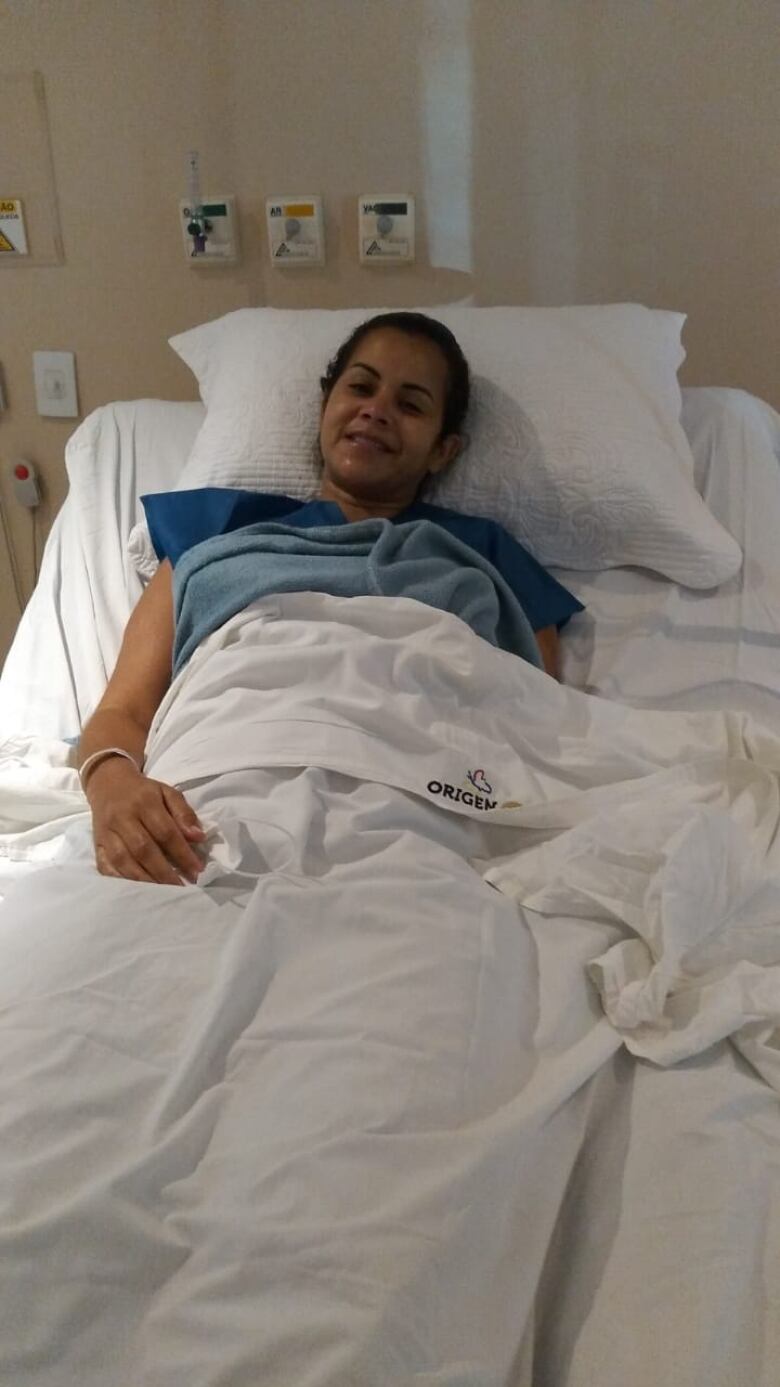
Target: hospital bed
x,y
313,1143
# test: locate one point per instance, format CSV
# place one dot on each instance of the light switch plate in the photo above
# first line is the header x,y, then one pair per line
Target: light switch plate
x,y
55,384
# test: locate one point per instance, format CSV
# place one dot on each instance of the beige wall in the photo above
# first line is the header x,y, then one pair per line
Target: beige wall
x,y
560,152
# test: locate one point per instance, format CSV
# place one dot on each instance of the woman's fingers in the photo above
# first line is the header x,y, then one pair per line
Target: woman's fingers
x,y
114,860
164,830
147,850
182,811
148,833
104,865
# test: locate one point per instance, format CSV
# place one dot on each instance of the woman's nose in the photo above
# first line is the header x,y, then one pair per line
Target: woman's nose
x,y
376,408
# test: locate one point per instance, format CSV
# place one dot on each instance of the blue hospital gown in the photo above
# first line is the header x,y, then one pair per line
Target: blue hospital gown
x,y
180,519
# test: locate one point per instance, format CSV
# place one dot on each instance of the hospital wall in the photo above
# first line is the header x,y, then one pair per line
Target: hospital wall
x,y
560,153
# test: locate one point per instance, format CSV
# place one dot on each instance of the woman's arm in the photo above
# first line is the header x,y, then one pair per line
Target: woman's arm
x,y
142,675
141,826
547,640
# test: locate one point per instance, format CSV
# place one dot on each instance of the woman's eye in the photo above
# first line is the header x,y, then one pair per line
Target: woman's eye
x,y
410,405
360,387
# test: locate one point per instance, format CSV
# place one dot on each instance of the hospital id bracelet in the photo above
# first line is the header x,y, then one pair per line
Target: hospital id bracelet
x,y
103,755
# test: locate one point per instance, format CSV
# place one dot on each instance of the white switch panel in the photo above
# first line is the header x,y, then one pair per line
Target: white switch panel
x,y
55,384
386,229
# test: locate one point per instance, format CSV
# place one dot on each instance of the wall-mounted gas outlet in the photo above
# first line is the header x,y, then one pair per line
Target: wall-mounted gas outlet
x,y
219,244
296,234
386,229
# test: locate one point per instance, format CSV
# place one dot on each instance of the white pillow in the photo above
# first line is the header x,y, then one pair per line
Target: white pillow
x,y
574,436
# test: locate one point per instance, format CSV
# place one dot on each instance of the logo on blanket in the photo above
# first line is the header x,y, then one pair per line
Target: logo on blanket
x,y
479,782
459,795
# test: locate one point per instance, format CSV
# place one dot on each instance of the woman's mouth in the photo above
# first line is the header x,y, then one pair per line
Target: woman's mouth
x,y
368,442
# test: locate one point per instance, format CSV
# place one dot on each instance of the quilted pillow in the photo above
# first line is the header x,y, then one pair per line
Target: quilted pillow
x,y
574,442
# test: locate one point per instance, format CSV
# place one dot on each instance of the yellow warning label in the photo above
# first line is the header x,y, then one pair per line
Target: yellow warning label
x,y
299,209
13,239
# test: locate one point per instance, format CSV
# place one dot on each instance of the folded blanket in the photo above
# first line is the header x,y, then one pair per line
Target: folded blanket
x,y
370,558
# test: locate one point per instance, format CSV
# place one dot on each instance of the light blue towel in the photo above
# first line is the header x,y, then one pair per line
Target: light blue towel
x,y
215,579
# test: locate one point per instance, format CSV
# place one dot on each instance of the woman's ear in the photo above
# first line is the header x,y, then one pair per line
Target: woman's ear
x,y
446,453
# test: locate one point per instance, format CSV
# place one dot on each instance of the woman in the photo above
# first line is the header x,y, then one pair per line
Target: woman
x,y
394,400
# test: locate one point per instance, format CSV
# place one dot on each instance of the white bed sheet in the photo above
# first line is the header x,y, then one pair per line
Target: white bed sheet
x,y
69,636
648,642
249,1135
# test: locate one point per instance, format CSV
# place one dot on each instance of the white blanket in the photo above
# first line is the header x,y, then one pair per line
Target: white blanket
x,y
344,1113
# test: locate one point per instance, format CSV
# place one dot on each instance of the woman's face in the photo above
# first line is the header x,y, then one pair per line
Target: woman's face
x,y
380,426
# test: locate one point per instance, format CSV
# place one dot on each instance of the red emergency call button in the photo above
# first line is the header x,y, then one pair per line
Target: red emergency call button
x,y
21,472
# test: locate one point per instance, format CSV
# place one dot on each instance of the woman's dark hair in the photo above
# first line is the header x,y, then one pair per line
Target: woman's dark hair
x,y
456,400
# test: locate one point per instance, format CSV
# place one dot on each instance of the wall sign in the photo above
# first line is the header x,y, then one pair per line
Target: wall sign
x,y
13,238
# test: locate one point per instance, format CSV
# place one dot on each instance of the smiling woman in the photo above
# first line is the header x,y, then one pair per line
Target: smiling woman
x,y
394,401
